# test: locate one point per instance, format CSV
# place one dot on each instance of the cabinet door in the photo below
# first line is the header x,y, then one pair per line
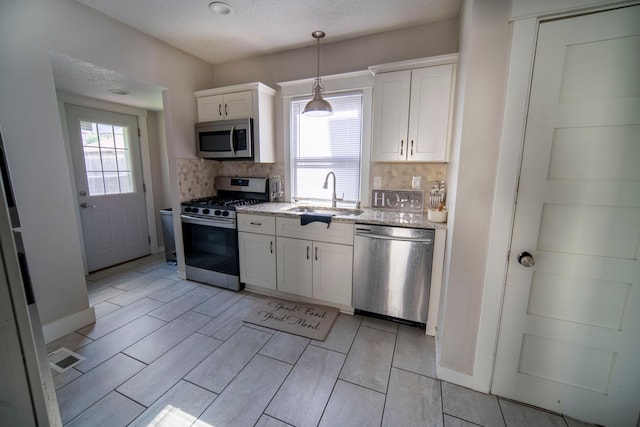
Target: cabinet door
x,y
391,116
429,113
294,266
257,259
238,105
332,272
210,108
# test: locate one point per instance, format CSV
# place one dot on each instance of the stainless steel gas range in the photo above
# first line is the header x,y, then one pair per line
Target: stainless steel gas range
x,y
209,229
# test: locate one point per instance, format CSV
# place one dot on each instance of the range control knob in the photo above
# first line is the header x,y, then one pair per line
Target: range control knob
x,y
205,211
225,213
187,209
217,212
194,210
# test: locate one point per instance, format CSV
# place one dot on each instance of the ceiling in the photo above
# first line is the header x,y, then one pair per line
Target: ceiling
x,y
254,27
257,27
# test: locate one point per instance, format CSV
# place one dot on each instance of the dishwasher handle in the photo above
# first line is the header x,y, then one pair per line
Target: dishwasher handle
x,y
404,239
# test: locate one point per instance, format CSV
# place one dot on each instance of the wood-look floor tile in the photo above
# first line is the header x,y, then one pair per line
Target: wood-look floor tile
x,y
141,281
72,341
304,394
369,361
178,407
174,291
218,369
217,304
383,325
246,397
64,378
352,405
450,421
112,410
86,390
119,318
516,415
230,321
415,351
341,334
267,421
162,340
103,308
183,303
285,347
412,400
103,294
471,405
154,380
114,342
140,292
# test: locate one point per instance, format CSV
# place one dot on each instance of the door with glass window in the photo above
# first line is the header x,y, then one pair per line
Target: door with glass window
x,y
106,158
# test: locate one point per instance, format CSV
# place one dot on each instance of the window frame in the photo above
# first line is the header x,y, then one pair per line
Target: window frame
x,y
349,82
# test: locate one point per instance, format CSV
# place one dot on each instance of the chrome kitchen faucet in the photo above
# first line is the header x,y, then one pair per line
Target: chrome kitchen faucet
x,y
334,199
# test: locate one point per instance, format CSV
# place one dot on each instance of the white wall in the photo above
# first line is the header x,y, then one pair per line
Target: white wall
x,y
33,134
339,57
485,42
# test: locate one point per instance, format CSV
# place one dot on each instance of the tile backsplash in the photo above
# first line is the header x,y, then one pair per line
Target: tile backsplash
x,y
400,175
196,176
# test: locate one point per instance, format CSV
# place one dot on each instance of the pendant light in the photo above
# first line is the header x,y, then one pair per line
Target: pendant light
x,y
318,106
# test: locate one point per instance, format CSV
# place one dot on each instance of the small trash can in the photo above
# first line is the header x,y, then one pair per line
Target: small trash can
x,y
166,217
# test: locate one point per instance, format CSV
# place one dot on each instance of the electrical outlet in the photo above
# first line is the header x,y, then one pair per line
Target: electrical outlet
x,y
377,182
416,182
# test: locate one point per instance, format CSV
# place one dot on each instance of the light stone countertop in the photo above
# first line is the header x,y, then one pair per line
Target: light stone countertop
x,y
369,216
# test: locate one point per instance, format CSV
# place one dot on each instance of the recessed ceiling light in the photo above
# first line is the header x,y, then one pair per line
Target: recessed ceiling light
x,y
119,91
220,8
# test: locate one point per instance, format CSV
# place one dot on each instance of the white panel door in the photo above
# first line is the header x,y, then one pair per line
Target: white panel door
x,y
570,329
108,169
238,105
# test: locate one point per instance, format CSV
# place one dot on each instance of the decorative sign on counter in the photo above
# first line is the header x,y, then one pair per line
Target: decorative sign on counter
x,y
405,200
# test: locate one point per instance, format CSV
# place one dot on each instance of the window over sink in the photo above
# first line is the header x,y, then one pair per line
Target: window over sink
x,y
339,142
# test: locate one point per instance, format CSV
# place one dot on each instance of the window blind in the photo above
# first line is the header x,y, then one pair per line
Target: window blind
x,y
323,144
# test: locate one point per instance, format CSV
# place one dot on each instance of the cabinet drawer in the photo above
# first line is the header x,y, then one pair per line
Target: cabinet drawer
x,y
337,232
260,224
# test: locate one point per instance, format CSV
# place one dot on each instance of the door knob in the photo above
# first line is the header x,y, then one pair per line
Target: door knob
x,y
86,205
526,259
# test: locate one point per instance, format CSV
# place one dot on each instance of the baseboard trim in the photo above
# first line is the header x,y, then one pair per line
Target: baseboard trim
x,y
61,327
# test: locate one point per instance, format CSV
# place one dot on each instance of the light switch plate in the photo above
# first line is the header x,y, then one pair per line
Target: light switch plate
x,y
416,182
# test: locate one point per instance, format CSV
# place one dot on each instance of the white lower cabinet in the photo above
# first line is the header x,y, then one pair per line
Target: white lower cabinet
x,y
312,261
257,250
257,259
315,261
318,270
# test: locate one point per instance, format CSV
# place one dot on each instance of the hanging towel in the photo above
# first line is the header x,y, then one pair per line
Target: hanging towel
x,y
309,218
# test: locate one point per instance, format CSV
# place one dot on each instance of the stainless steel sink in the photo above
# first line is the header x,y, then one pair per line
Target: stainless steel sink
x,y
325,210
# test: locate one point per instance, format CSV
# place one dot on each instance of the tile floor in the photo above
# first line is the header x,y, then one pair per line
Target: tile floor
x,y
170,352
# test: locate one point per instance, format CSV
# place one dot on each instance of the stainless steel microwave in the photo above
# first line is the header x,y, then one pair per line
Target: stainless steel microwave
x,y
225,140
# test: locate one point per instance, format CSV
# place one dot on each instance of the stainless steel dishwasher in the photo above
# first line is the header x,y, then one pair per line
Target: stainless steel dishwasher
x,y
392,271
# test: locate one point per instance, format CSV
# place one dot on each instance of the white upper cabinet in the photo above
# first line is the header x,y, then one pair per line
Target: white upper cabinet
x,y
413,109
250,100
236,105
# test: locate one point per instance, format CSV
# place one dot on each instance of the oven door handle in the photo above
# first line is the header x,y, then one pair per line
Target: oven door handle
x,y
207,222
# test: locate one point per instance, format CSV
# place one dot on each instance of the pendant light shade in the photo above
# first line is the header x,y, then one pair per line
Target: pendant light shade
x,y
318,106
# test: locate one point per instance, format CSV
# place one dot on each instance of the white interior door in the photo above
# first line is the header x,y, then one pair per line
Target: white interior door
x,y
106,157
570,329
